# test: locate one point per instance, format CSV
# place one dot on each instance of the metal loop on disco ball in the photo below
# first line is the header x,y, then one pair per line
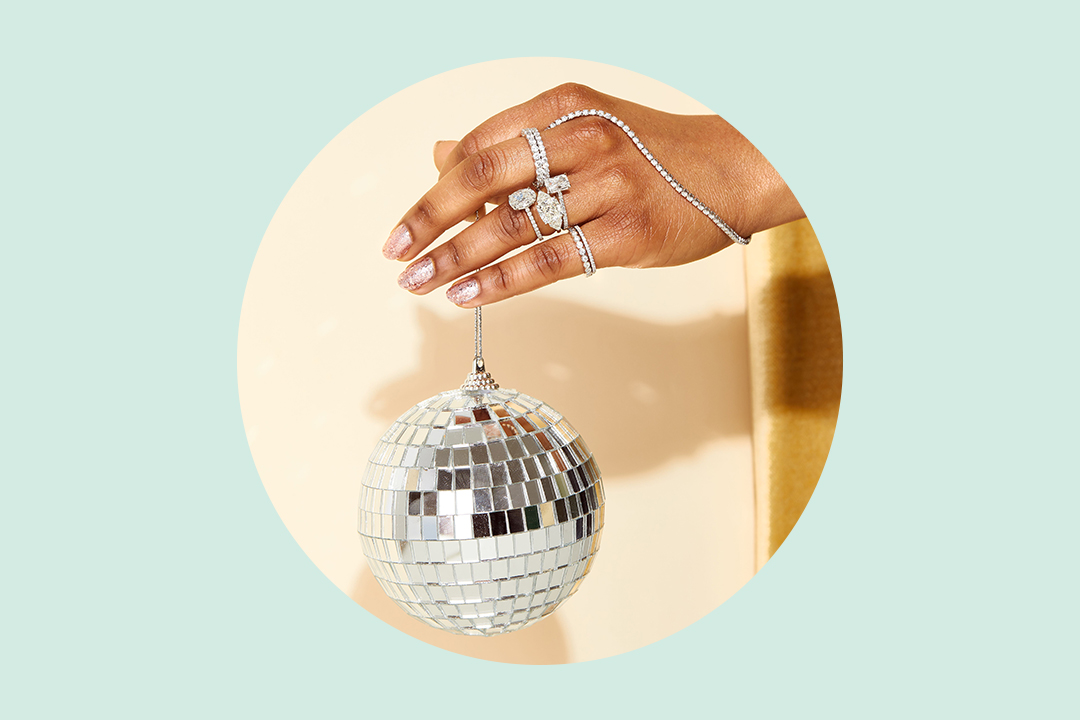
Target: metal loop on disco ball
x,y
481,508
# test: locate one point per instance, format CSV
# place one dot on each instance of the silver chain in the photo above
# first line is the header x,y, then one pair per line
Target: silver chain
x,y
479,379
690,197
478,358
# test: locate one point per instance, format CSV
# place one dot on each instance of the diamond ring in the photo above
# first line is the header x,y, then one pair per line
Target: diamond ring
x,y
549,201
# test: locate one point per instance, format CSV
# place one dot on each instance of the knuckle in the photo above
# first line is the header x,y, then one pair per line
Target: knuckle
x,y
452,255
619,177
469,145
596,133
499,279
546,261
426,213
481,170
512,225
572,96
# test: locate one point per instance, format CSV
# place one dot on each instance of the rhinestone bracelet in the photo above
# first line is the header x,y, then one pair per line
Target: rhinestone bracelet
x,y
690,197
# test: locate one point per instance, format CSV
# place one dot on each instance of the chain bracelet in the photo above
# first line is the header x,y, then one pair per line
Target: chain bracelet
x,y
690,197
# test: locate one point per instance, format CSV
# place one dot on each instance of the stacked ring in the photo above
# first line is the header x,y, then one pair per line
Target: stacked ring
x,y
583,250
550,205
523,199
539,153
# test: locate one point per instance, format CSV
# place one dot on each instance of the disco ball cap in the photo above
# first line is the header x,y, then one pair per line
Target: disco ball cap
x,y
481,509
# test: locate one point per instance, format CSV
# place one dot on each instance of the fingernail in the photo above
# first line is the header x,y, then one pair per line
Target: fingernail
x,y
463,292
398,244
417,274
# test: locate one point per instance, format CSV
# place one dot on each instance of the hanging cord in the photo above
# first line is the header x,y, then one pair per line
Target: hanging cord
x,y
479,379
478,358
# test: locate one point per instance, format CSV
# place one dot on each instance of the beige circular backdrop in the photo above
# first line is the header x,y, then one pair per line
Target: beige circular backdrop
x,y
651,367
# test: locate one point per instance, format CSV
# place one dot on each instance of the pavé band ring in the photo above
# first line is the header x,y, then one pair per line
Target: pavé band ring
x,y
584,250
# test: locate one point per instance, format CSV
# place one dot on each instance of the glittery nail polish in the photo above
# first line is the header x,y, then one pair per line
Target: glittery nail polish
x,y
464,291
398,244
417,274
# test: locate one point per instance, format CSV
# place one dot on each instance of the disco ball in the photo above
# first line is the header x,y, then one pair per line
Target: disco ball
x,y
480,510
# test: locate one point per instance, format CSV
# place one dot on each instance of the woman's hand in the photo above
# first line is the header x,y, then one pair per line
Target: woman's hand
x,y
630,215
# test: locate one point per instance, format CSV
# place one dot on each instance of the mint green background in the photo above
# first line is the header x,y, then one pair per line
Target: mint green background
x,y
145,573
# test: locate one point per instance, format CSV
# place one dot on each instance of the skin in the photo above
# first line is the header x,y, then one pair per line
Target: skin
x,y
628,212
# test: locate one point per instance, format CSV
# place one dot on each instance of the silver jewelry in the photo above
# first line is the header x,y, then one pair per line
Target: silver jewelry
x,y
690,197
539,154
588,247
583,250
525,198
552,210
557,185
522,200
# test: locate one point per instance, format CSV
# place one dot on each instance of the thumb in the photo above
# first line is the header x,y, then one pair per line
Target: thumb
x,y
441,151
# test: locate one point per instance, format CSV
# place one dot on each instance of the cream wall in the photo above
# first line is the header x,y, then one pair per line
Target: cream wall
x,y
650,366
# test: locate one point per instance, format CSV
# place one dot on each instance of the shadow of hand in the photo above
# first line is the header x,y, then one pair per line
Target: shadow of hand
x,y
640,393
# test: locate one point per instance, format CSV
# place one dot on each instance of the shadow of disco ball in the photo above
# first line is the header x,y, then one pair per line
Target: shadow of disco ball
x,y
480,511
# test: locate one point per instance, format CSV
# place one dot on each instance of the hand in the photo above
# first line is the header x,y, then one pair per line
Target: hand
x,y
627,211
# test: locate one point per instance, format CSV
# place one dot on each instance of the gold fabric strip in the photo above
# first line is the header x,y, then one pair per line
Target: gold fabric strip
x,y
796,367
